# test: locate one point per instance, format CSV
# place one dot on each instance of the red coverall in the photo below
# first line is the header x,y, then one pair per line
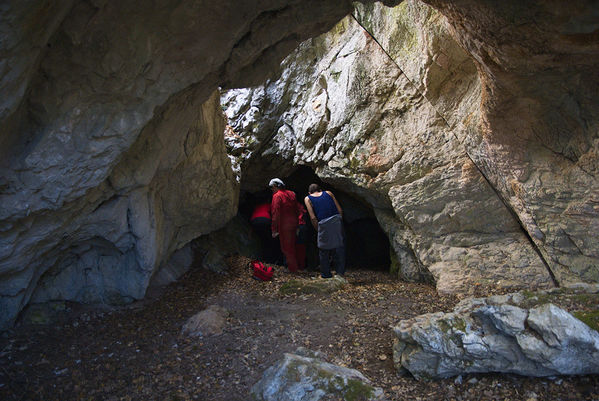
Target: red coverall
x,y
285,217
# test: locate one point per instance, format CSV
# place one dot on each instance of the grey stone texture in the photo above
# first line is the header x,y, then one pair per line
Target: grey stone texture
x,y
496,334
537,142
306,376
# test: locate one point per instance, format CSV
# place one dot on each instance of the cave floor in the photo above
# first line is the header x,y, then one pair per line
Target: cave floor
x,y
137,352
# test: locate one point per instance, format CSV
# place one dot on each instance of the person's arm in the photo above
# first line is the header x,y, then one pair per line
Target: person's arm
x,y
313,218
301,210
336,203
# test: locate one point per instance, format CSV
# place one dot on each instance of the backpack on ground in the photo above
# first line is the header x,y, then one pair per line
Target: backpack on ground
x,y
261,272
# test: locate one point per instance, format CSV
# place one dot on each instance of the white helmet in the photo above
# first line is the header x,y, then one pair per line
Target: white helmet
x,y
276,182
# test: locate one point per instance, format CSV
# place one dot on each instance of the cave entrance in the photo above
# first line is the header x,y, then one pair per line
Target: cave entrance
x,y
367,245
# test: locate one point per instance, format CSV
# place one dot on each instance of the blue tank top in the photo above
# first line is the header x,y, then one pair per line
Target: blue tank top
x,y
323,205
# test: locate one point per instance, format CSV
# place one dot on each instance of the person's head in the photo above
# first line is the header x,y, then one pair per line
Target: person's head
x,y
313,188
275,184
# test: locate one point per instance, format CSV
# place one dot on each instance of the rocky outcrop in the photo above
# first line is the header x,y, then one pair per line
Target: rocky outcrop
x,y
517,333
154,204
382,116
108,160
539,117
305,376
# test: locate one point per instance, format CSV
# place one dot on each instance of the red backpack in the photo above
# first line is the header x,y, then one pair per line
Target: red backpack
x,y
261,272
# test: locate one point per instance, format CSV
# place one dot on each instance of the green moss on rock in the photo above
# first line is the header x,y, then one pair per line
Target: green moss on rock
x,y
533,299
452,324
394,265
355,390
591,318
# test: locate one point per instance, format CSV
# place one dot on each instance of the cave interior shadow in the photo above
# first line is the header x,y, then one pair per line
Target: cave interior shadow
x,y
367,246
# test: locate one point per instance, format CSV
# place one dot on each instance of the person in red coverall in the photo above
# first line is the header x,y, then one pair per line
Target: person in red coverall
x,y
285,213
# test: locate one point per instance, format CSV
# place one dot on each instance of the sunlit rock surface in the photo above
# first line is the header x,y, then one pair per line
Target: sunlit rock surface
x,y
538,143
384,123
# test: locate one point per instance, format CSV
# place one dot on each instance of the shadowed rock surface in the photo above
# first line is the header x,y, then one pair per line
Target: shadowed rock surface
x,y
537,142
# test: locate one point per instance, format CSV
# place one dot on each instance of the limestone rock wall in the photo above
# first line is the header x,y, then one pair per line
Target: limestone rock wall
x,y
382,117
538,142
158,201
109,158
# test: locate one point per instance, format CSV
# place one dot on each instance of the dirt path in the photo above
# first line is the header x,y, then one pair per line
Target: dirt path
x,y
137,353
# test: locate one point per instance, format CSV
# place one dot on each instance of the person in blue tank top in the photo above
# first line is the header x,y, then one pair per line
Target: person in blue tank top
x,y
327,218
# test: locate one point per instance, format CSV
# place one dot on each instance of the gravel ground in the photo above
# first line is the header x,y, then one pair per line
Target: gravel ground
x,y
137,352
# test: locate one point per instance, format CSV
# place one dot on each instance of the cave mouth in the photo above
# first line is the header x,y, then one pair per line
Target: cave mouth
x,y
366,244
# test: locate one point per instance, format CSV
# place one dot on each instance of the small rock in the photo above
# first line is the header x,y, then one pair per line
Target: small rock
x,y
303,378
210,321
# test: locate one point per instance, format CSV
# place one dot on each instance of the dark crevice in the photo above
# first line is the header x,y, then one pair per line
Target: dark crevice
x,y
106,202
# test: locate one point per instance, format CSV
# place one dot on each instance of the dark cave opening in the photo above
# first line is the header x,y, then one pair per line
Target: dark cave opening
x,y
367,245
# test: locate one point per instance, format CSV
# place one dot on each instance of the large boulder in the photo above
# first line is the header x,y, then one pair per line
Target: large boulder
x,y
521,333
381,117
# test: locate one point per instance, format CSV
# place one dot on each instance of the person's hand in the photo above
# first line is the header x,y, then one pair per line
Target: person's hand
x,y
275,234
